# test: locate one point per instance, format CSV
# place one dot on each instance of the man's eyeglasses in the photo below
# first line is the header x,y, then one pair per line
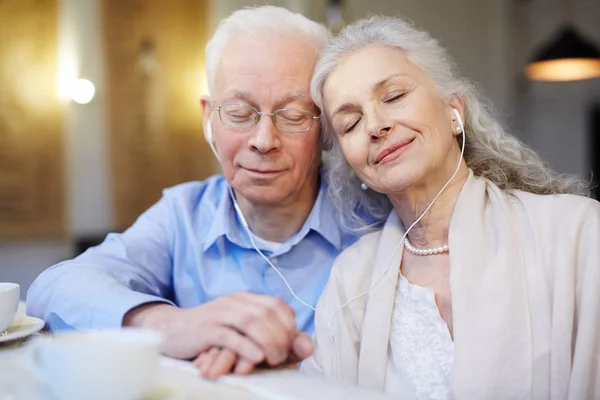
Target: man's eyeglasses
x,y
243,116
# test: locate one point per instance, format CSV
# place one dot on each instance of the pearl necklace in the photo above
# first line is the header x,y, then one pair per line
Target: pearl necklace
x,y
425,252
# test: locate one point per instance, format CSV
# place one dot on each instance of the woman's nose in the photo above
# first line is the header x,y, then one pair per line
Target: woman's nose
x,y
380,131
379,123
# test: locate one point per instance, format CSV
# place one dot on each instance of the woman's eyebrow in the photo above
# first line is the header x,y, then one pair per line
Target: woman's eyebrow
x,y
345,108
384,81
376,86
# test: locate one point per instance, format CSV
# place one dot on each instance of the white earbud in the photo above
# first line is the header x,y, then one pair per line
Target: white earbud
x,y
209,130
209,134
461,125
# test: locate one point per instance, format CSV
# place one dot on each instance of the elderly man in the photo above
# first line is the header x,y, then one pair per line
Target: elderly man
x,y
190,266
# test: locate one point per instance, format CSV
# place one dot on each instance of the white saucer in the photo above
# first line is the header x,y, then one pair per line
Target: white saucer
x,y
22,327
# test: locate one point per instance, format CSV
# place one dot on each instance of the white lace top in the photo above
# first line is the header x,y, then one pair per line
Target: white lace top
x,y
421,350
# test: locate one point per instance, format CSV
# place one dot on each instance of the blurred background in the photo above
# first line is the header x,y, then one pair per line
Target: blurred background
x,y
99,101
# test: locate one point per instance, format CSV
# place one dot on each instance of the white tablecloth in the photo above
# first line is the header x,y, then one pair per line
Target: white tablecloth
x,y
179,380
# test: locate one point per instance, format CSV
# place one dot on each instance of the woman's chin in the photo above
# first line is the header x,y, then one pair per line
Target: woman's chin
x,y
392,188
396,183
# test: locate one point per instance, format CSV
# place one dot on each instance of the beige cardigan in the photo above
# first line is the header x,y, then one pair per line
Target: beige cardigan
x,y
525,284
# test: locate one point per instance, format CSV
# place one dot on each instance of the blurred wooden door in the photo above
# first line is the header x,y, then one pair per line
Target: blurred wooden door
x,y
31,140
155,76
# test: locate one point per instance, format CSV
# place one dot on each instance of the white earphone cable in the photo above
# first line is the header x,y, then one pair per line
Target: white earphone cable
x,y
411,226
318,314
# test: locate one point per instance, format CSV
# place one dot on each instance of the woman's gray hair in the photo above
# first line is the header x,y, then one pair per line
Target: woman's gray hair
x,y
490,151
260,21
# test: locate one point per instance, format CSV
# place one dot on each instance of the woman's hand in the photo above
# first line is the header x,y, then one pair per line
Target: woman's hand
x,y
257,328
216,361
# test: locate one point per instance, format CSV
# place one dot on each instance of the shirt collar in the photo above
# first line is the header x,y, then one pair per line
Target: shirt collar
x,y
226,223
321,219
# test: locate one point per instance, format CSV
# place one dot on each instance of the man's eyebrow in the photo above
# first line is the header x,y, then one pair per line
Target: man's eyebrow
x,y
250,99
296,96
239,94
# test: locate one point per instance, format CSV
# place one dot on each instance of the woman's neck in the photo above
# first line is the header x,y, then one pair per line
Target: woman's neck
x,y
432,229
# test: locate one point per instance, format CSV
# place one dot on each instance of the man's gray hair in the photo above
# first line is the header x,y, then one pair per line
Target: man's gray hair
x,y
490,151
259,22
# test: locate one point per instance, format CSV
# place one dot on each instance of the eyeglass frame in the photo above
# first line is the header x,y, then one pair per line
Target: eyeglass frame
x,y
259,115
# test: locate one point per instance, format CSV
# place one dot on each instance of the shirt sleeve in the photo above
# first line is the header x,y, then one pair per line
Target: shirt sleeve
x,y
97,289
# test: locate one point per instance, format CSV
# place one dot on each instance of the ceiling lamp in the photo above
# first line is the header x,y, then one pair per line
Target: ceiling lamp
x,y
568,56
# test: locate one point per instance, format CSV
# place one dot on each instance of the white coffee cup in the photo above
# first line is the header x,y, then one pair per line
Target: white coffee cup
x,y
98,365
9,303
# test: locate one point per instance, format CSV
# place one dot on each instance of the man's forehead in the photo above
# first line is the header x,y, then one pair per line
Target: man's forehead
x,y
266,67
272,54
265,41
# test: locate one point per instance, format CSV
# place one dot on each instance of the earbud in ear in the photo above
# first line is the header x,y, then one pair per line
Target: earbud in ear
x,y
459,119
209,131
209,136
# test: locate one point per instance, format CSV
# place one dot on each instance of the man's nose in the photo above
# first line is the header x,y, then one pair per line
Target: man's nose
x,y
265,136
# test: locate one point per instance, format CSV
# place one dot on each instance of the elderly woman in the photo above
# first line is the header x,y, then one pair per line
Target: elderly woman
x,y
484,282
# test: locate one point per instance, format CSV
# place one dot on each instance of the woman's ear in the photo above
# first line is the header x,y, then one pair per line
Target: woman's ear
x,y
457,103
457,114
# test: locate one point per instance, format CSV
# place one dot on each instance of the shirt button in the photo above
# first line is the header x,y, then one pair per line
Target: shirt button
x,y
274,260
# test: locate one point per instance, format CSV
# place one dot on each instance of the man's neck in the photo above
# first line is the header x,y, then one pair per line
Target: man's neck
x,y
277,223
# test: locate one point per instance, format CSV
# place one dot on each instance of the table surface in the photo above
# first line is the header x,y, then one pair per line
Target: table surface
x,y
179,380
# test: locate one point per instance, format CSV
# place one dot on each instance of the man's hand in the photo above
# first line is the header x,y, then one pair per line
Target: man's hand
x,y
216,362
257,328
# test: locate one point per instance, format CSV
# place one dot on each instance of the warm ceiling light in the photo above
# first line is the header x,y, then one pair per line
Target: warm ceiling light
x,y
568,56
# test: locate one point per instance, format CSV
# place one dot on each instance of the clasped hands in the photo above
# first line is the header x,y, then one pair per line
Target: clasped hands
x,y
233,333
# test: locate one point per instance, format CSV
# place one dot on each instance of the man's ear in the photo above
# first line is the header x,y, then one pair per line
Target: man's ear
x,y
206,105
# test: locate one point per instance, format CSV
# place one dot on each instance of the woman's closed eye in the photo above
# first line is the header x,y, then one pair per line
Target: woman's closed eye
x,y
351,126
393,96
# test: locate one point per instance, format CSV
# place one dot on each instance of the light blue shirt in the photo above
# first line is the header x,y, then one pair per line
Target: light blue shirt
x,y
188,249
